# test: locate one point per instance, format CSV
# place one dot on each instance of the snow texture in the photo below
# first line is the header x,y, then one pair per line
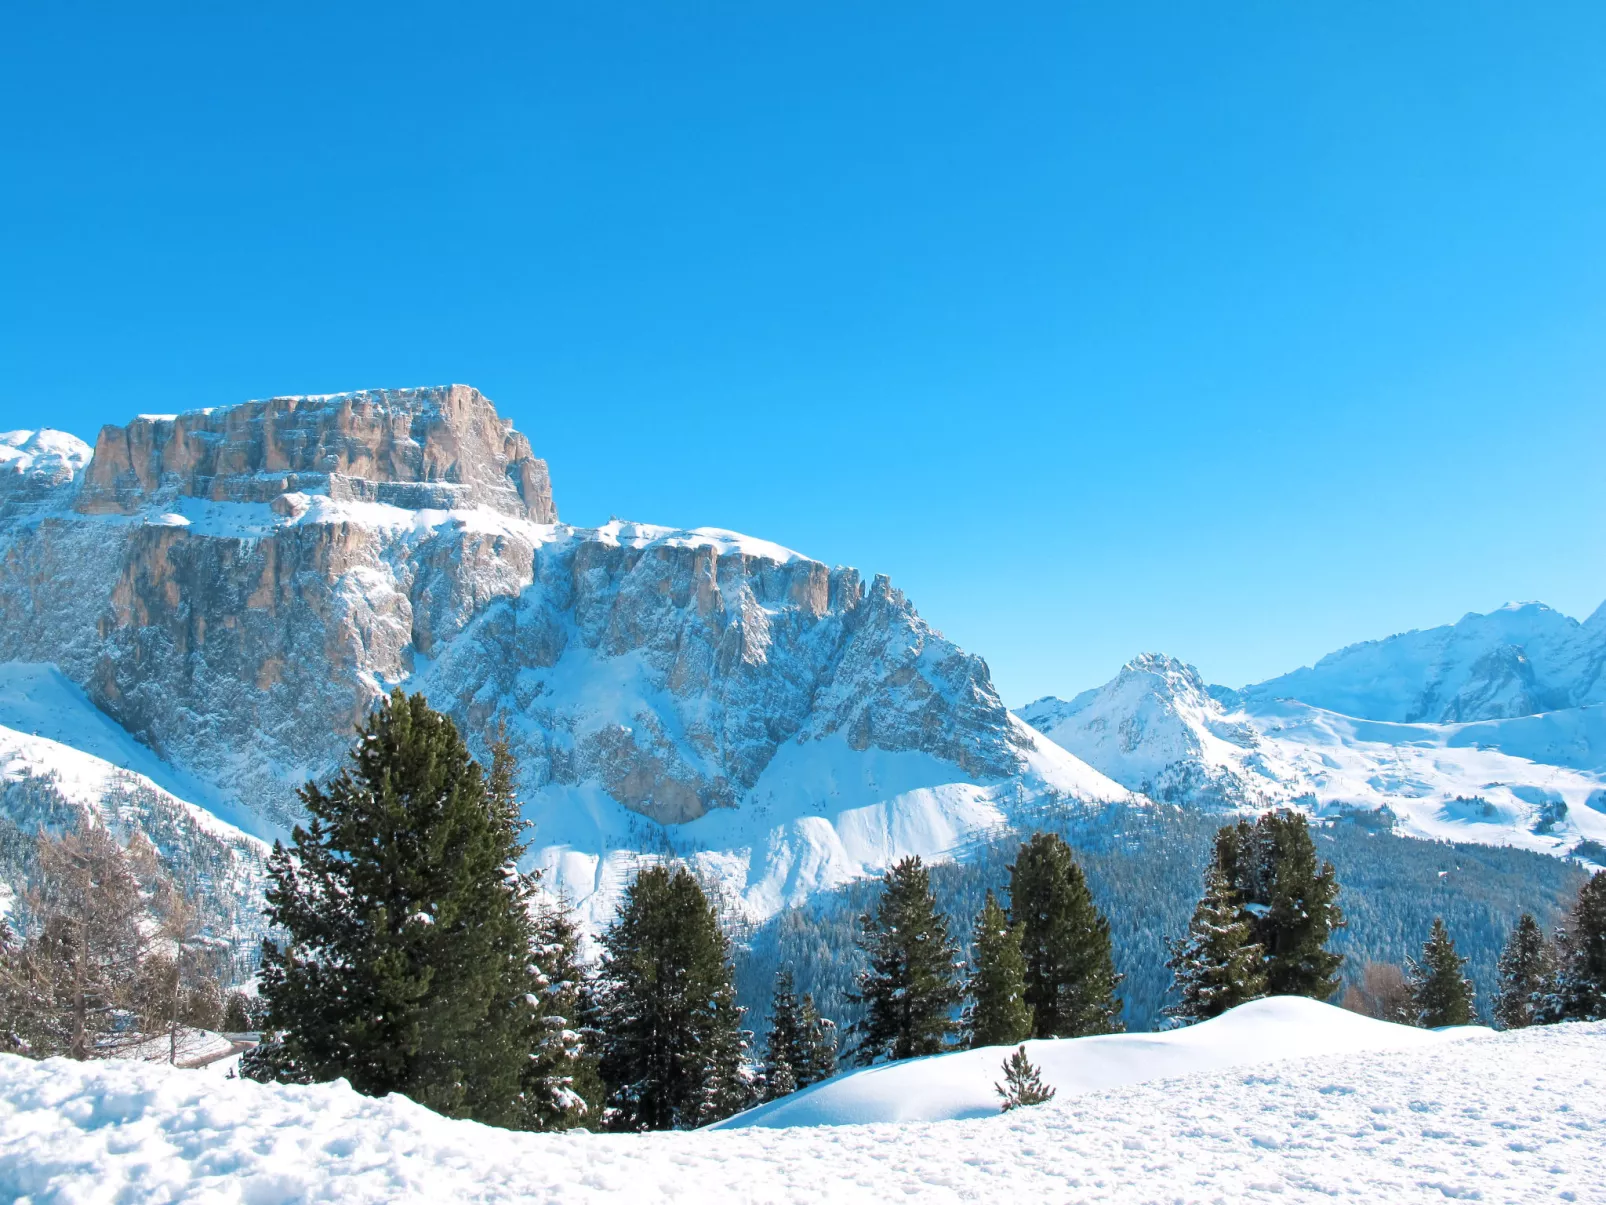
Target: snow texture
x,y
1516,1117
1534,781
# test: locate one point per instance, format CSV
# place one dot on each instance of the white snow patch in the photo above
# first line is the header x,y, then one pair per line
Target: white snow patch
x,y
1516,1117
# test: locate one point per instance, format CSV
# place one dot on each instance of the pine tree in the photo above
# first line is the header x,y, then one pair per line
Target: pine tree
x,y
1023,1084
563,1088
818,1060
911,987
998,1014
1526,966
1065,940
1579,989
1218,965
1290,901
405,964
672,1046
1440,994
784,1050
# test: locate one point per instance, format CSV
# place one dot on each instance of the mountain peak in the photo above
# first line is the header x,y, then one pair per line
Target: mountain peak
x,y
436,447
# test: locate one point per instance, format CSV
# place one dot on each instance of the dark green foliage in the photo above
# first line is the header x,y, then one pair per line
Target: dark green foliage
x,y
1218,965
1526,966
563,1087
1065,940
1579,990
1144,868
1440,995
817,1060
910,988
237,1008
672,1045
405,962
801,1048
1023,1084
1290,901
998,1014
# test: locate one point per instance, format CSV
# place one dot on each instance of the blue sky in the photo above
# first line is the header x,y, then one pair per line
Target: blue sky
x,y
1239,332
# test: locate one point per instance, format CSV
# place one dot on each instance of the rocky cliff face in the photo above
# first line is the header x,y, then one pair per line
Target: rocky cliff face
x,y
443,447
237,587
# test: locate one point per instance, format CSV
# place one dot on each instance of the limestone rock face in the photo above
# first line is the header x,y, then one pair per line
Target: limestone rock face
x,y
237,587
439,447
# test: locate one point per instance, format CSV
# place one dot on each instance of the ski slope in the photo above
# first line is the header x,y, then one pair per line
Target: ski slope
x,y
1518,1117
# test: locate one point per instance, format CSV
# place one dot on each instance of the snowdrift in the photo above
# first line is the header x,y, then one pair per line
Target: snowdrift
x,y
950,1087
1513,1117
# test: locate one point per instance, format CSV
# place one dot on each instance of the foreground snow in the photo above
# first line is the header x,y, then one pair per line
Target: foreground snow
x,y
1509,1117
949,1087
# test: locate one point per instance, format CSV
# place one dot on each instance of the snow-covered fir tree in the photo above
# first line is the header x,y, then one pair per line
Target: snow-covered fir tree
x,y
1289,899
1065,941
1218,965
1440,994
1578,988
405,961
911,987
673,1050
783,1048
819,1036
563,1088
997,1014
1527,965
1023,1084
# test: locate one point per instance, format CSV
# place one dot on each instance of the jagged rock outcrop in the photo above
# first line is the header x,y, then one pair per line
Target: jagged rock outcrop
x,y
237,587
441,447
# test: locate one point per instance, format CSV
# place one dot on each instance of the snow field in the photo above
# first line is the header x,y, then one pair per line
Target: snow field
x,y
1517,1117
959,1085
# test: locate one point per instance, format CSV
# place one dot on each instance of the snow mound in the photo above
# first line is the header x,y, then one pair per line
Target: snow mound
x,y
1513,1117
950,1087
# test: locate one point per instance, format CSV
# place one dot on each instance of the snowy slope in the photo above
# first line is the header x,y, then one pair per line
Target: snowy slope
x,y
1516,1117
951,1087
62,762
1538,782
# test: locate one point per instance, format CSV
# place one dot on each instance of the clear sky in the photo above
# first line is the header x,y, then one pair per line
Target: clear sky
x,y
1234,331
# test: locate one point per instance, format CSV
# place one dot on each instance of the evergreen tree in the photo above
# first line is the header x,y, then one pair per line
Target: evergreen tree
x,y
405,964
1218,965
1023,1084
784,1052
819,1046
1065,940
1290,901
1579,989
910,988
1440,994
563,1087
1526,967
998,1014
672,1045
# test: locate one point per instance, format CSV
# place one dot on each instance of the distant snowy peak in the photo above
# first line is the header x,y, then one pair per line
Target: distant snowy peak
x,y
1522,659
1535,781
1156,729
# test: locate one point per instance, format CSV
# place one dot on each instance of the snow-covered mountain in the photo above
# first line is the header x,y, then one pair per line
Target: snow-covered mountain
x,y
236,587
1533,778
64,763
1523,659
